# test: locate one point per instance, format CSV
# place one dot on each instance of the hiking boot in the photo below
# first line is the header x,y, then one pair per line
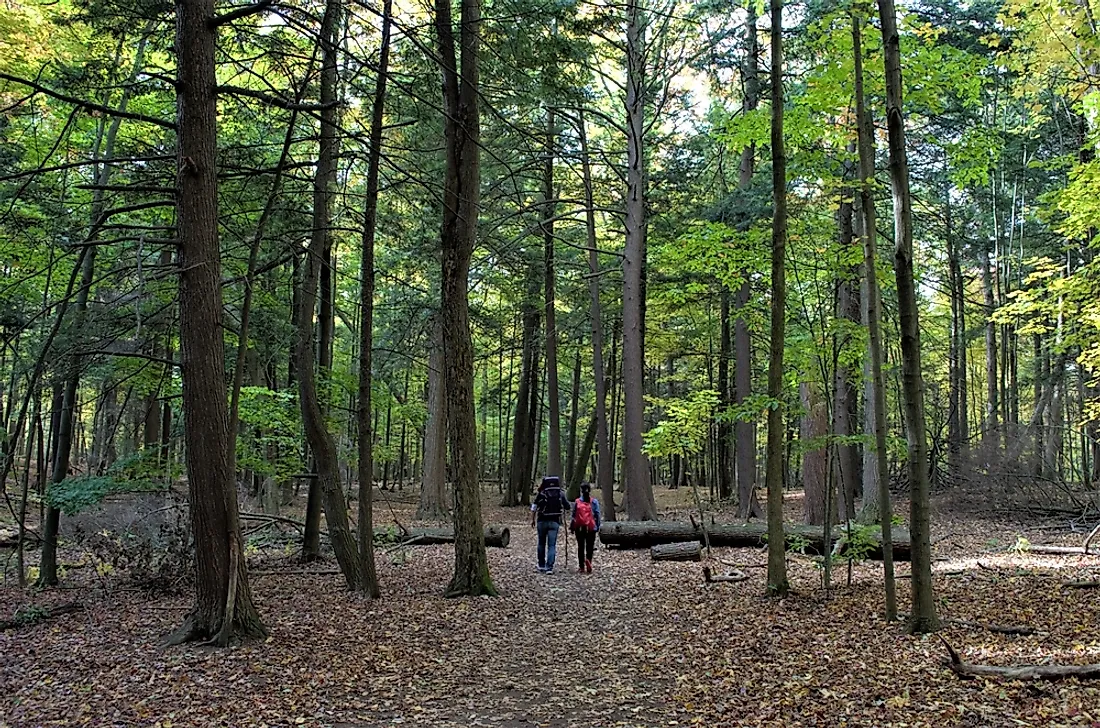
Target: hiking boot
x,y
588,565
541,569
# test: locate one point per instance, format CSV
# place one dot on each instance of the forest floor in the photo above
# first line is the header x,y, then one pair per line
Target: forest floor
x,y
636,643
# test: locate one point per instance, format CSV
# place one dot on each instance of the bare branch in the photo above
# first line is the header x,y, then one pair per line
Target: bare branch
x,y
85,104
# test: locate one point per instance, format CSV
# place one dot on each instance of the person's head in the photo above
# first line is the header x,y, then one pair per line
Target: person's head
x,y
550,481
586,491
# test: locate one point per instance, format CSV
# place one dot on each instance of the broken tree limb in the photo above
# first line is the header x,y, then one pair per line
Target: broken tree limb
x,y
1071,550
1019,672
1081,584
642,534
33,615
732,577
686,551
496,535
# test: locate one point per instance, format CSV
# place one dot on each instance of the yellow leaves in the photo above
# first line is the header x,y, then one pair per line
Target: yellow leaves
x,y
898,701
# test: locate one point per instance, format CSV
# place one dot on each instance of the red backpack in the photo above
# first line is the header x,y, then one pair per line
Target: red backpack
x,y
582,515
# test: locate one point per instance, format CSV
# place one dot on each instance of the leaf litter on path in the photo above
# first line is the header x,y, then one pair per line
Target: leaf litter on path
x,y
636,643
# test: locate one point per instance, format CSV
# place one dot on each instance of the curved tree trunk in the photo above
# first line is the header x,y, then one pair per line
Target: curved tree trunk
x,y
328,482
368,576
459,235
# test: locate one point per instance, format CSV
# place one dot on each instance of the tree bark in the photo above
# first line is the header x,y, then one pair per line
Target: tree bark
x,y
777,558
553,402
574,407
687,551
368,575
923,613
523,428
605,473
724,444
644,534
639,490
815,479
845,395
433,484
459,236
748,506
990,431
223,601
328,481
873,302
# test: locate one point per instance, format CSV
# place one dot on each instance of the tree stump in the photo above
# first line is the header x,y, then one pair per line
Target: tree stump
x,y
690,551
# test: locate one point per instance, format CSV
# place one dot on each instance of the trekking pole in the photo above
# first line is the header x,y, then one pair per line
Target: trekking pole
x,y
566,549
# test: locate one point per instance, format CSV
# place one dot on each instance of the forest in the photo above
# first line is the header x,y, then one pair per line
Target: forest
x,y
303,299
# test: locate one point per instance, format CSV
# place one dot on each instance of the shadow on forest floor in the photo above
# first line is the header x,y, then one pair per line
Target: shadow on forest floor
x,y
637,643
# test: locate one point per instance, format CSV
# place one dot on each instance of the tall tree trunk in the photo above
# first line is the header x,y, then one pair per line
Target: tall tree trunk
x,y
327,482
724,444
223,601
605,472
47,574
815,478
990,430
956,435
368,575
574,406
844,387
433,485
639,504
777,545
523,429
553,402
459,236
876,404
923,614
748,506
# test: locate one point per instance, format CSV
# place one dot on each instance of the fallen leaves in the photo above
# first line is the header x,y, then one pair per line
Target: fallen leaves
x,y
636,643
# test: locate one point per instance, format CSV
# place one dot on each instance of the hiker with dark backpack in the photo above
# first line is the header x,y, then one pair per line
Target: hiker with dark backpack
x,y
585,525
546,513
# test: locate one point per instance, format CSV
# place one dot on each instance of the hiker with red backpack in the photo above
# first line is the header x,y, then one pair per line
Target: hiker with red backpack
x,y
585,525
546,512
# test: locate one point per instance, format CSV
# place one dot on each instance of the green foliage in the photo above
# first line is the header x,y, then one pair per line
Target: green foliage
x,y
271,445
137,474
685,426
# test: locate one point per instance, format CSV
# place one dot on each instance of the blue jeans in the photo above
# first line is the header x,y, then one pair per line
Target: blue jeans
x,y
548,532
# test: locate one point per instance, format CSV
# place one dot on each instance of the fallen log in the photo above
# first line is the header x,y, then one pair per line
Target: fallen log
x,y
33,615
687,551
643,534
1081,584
1020,672
496,535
